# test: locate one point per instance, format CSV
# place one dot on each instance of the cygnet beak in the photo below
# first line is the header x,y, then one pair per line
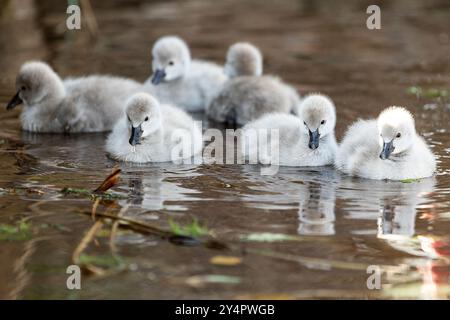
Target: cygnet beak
x,y
388,147
314,139
136,133
15,101
158,76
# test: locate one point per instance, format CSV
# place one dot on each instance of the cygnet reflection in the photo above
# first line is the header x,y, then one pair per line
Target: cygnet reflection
x,y
392,204
311,191
152,187
316,209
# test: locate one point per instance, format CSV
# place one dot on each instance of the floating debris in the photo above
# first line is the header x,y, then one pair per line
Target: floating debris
x,y
199,281
431,93
18,232
409,180
77,191
86,193
101,261
109,182
225,260
184,241
101,192
193,229
269,237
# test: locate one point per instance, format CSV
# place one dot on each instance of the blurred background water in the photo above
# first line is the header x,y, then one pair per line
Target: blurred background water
x,y
340,225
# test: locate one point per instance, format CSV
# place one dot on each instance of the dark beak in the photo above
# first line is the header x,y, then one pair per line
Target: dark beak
x,y
388,147
314,139
136,134
15,101
158,76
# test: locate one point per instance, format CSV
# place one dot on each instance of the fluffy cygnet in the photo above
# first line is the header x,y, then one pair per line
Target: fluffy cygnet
x,y
386,148
151,132
304,140
87,104
248,94
190,84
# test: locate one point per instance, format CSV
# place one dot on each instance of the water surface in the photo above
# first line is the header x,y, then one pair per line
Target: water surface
x,y
341,225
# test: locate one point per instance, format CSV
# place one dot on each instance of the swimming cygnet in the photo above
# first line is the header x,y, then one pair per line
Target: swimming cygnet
x,y
190,84
386,148
86,104
151,132
304,140
248,94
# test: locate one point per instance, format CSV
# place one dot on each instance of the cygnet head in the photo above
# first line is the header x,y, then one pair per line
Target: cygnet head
x,y
397,131
171,59
243,59
319,118
36,82
144,116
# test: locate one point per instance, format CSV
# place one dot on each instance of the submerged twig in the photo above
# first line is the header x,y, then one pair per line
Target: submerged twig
x,y
83,245
147,228
119,220
134,224
94,208
114,229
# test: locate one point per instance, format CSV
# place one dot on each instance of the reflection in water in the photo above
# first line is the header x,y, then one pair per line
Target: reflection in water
x,y
316,209
74,152
312,191
392,204
429,269
151,186
330,53
399,207
435,272
21,275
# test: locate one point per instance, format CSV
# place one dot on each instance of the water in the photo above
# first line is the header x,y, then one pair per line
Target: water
x,y
341,225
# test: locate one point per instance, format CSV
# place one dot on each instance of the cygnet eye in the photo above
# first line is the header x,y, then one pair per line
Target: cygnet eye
x,y
23,88
322,122
304,122
146,119
170,63
399,135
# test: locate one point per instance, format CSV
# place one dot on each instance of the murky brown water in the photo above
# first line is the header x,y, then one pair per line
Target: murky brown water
x,y
342,225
